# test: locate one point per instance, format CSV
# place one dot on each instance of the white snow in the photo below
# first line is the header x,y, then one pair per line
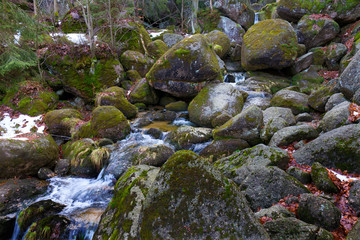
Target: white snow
x,y
77,38
343,177
17,37
157,33
11,127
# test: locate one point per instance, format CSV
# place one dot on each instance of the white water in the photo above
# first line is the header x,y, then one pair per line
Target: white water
x,y
256,20
182,122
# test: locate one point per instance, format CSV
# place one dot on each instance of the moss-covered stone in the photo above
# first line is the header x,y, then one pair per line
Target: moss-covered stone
x,y
115,96
177,106
269,44
31,98
185,136
133,60
190,199
220,42
73,21
185,68
157,48
143,93
296,101
63,121
52,227
321,178
106,122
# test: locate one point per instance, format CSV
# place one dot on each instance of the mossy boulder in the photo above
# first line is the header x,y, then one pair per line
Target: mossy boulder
x,y
177,106
31,98
214,100
319,98
354,232
297,102
224,147
299,174
350,77
246,125
239,11
293,229
334,53
344,11
73,21
321,178
220,42
354,193
185,68
86,158
338,148
233,30
318,55
82,76
55,227
133,60
335,100
319,211
338,116
106,122
15,193
315,30
269,44
63,121
308,79
186,136
191,199
157,48
115,96
25,156
155,155
37,211
143,93
121,218
288,135
170,39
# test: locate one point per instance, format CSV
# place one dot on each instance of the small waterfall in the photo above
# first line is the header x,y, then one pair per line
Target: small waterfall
x,y
256,20
16,231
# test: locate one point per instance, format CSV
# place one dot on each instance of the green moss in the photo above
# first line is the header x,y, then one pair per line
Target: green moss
x,y
182,53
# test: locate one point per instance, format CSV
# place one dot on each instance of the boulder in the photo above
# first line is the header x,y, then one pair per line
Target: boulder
x,y
121,218
171,39
334,100
309,79
63,121
246,126
106,122
184,69
350,77
315,30
55,226
155,155
288,135
23,157
338,148
354,233
133,60
178,106
297,102
186,136
233,30
294,229
354,199
344,11
142,92
318,99
220,42
214,100
275,212
334,53
115,96
319,211
279,112
299,174
302,62
223,147
338,116
321,178
269,44
239,11
190,199
271,127
157,48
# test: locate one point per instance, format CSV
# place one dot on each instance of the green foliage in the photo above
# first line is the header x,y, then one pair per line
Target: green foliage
x,y
17,54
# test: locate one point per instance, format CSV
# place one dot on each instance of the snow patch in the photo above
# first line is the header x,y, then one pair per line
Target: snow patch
x,y
77,38
344,177
154,34
12,127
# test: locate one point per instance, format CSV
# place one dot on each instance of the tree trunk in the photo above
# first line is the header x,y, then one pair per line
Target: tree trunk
x,y
194,24
35,8
56,14
211,6
182,15
111,25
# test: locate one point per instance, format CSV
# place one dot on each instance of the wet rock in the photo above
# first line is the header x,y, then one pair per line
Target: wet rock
x,y
23,158
54,227
321,179
294,229
246,126
337,149
154,132
106,122
239,11
350,77
274,212
185,68
296,101
223,147
62,167
302,176
338,116
115,96
177,106
133,60
315,31
154,156
143,93
288,135
203,200
121,218
214,100
45,173
63,121
269,44
186,136
318,211
37,211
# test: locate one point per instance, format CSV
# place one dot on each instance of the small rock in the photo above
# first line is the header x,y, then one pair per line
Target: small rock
x,y
299,174
45,173
304,117
322,181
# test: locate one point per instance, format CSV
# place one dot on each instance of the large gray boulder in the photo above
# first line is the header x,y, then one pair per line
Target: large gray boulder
x,y
246,125
270,43
233,30
214,100
350,77
190,199
338,148
338,116
288,135
62,121
187,67
23,157
296,101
